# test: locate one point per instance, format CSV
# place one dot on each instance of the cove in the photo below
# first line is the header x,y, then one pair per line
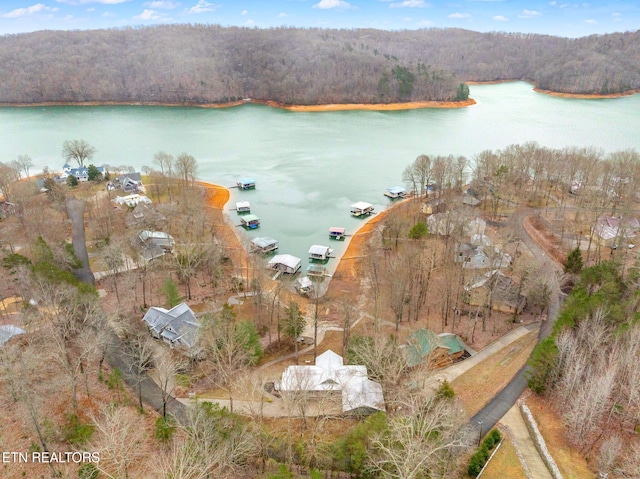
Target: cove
x,y
309,167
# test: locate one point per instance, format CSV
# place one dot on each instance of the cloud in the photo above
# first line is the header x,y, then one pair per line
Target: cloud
x,y
459,15
501,18
616,14
84,2
201,7
250,21
148,14
163,4
328,4
591,21
529,13
244,12
32,10
425,23
408,4
553,4
282,15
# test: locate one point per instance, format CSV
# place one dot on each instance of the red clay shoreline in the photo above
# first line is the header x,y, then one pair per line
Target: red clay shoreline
x,y
579,96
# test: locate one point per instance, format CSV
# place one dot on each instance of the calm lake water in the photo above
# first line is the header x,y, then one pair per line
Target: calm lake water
x,y
310,167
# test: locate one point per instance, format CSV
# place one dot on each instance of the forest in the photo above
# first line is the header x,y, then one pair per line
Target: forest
x,y
209,64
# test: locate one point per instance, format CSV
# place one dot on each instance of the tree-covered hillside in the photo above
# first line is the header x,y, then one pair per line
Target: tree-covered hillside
x,y
212,64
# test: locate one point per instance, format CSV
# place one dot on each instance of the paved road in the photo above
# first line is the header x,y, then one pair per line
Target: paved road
x,y
489,415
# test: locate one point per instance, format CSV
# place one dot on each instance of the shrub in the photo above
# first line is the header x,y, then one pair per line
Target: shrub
x,y
417,231
165,427
75,432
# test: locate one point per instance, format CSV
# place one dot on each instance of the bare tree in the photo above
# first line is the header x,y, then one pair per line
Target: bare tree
x,y
186,168
139,350
423,440
166,368
78,150
25,163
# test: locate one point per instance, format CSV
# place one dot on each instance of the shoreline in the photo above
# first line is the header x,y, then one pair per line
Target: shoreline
x,y
270,103
577,96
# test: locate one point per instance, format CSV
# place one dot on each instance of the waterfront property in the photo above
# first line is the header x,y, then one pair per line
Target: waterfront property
x,y
396,192
264,245
177,326
361,208
336,233
333,381
156,243
243,207
246,183
319,252
285,263
250,221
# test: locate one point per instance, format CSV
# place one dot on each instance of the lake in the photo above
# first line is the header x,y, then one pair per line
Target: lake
x,y
310,167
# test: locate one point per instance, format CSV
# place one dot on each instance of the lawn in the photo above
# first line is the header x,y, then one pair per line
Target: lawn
x,y
479,385
505,463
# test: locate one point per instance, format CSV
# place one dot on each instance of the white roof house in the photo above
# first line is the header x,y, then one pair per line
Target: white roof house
x,y
264,244
359,394
361,208
286,263
131,200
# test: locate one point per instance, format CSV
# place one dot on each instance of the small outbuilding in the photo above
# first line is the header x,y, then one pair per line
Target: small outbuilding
x,y
250,221
303,285
396,192
243,207
336,233
246,183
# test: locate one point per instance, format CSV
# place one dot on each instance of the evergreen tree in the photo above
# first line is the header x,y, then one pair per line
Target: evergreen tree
x,y
574,263
93,173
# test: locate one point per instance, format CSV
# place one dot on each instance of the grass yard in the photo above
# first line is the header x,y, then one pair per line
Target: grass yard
x,y
505,463
476,387
571,463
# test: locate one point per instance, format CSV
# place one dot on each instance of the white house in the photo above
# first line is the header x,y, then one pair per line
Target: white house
x,y
285,263
330,376
319,252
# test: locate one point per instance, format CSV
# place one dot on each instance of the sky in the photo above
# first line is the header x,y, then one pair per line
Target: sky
x,y
553,17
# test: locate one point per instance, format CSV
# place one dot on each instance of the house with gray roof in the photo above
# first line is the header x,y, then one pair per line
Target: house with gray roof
x,y
177,326
8,331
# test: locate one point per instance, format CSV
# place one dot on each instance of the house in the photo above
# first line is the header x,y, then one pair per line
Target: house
x,y
470,200
156,243
250,221
129,183
480,257
337,233
348,385
434,351
264,245
81,172
496,289
131,200
144,215
285,263
319,252
8,331
361,208
435,205
609,230
177,326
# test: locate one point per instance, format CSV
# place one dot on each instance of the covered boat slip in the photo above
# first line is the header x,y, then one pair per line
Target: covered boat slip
x,y
285,263
243,207
250,221
396,192
319,252
303,285
317,270
264,245
361,208
246,183
337,233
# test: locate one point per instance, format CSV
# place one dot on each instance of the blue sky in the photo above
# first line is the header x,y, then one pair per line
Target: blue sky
x,y
554,17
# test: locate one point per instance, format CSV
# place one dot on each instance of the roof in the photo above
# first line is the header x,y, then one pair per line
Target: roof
x,y
249,218
359,393
286,259
424,341
361,205
179,324
243,204
136,176
316,268
264,241
336,229
319,250
8,331
304,282
396,190
246,180
155,235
